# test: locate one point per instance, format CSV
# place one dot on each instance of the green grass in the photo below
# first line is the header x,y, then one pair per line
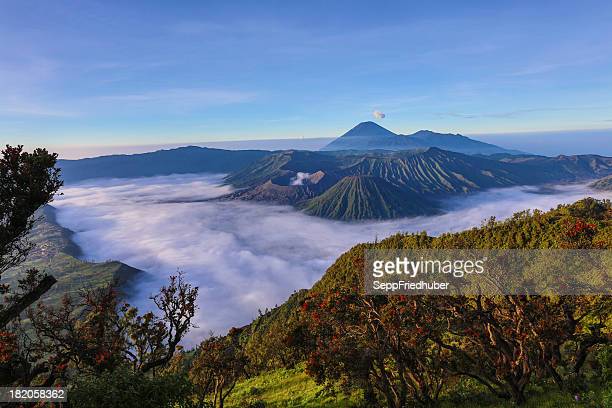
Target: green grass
x,y
293,388
288,388
468,393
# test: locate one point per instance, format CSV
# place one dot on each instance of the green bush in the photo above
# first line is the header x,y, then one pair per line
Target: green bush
x,y
124,388
606,398
604,358
255,404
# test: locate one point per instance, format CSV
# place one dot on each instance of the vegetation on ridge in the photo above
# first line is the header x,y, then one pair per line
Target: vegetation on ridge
x,y
565,342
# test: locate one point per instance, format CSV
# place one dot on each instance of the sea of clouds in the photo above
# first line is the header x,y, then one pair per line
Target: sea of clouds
x,y
245,256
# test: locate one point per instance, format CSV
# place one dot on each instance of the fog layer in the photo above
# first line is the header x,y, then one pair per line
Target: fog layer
x,y
244,256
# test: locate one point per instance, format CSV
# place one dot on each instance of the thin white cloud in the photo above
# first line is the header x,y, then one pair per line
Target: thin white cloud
x,y
22,82
540,69
574,55
27,74
244,256
183,95
122,65
519,112
30,109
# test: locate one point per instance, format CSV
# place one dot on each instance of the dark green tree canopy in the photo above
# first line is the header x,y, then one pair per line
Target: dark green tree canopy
x,y
27,182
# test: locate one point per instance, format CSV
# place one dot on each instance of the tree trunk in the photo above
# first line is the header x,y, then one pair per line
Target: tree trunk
x,y
26,301
518,395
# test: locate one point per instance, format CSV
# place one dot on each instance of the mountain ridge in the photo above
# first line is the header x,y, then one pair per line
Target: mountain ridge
x,y
57,254
371,136
182,160
603,184
367,197
418,176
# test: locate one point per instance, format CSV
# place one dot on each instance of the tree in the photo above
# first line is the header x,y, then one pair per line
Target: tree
x,y
125,388
27,182
94,333
505,343
382,344
495,340
152,340
219,364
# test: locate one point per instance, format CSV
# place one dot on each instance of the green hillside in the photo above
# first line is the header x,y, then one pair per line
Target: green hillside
x,y
367,197
604,184
277,343
525,230
56,254
290,387
282,388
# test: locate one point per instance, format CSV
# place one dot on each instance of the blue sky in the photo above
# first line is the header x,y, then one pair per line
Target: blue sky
x,y
126,73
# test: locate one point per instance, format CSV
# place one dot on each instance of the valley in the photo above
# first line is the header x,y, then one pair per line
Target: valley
x,y
240,252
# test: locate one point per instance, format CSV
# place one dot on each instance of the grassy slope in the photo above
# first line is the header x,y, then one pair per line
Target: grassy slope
x,y
524,230
56,254
293,388
367,197
288,388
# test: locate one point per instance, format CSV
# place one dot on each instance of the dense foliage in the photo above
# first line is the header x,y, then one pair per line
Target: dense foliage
x,y
416,350
125,388
219,364
27,181
95,333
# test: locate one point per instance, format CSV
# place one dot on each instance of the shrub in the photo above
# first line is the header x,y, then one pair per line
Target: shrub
x,y
124,388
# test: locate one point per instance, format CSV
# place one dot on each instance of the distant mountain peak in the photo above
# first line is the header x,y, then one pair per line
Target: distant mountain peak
x,y
369,128
423,132
372,136
426,133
